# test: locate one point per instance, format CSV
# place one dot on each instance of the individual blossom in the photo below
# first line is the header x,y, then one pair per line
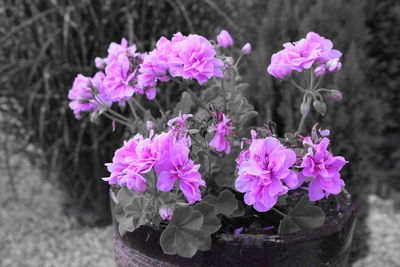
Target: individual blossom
x,y
324,170
302,55
120,79
246,49
222,130
334,65
320,70
120,173
265,173
193,57
166,213
115,50
135,159
88,94
224,39
177,127
155,67
175,165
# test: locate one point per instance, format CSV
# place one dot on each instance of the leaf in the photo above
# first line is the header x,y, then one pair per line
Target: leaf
x,y
132,215
226,203
211,223
184,236
184,105
239,212
303,216
247,116
124,196
210,94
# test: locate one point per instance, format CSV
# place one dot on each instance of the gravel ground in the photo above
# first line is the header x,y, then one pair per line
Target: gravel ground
x,y
35,232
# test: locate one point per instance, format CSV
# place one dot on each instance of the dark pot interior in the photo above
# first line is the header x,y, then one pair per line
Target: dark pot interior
x,y
328,245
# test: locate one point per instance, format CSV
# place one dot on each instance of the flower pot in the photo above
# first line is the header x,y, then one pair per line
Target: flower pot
x,y
328,245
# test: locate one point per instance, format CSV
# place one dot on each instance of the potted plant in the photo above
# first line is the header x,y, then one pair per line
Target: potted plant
x,y
195,184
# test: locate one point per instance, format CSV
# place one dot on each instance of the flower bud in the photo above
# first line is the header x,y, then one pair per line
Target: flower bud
x,y
320,107
246,49
100,63
334,65
229,61
224,39
320,70
336,94
304,109
150,125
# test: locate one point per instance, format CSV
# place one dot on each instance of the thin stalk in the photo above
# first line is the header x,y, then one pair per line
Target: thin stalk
x,y
137,103
224,93
132,108
237,62
116,119
278,211
303,117
297,86
198,100
160,107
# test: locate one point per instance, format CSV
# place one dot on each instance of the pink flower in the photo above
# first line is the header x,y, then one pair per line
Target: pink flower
x,y
166,213
222,130
175,165
155,67
121,174
88,94
323,168
100,63
334,65
115,50
120,79
135,159
262,174
246,49
194,57
224,39
177,127
302,55
320,70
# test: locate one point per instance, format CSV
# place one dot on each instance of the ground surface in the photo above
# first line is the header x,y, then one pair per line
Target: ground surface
x,y
35,232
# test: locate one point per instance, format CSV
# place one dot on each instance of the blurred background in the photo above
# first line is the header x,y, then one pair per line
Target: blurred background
x,y
55,208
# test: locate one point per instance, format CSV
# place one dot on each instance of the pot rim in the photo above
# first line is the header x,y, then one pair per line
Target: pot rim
x,y
307,235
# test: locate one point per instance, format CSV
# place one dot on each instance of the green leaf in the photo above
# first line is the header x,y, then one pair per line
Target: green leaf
x,y
303,216
226,203
184,235
132,215
210,94
185,105
124,196
211,223
239,212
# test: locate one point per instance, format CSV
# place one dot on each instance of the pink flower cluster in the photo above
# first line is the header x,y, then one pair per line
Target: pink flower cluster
x,y
222,130
265,172
167,155
88,94
323,168
189,57
314,50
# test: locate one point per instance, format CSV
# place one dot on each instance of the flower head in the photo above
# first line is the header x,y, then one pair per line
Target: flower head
x,y
224,39
265,174
177,127
115,50
324,170
194,57
222,130
246,49
166,213
88,94
121,78
303,54
174,166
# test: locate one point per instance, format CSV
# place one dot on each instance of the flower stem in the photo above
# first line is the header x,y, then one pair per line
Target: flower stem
x,y
278,211
160,107
224,93
132,108
195,97
137,103
304,116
